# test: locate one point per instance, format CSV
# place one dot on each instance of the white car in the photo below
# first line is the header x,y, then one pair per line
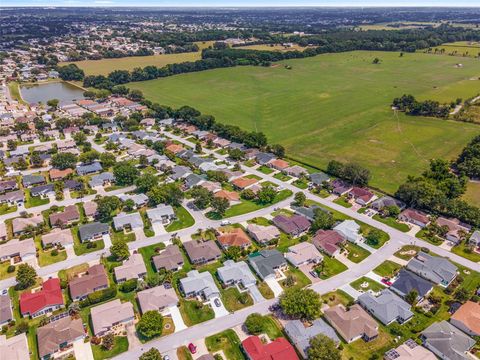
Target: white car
x,y
225,222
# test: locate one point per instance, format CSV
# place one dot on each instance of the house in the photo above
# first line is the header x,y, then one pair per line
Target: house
x,y
433,268
93,231
361,196
293,225
328,241
475,239
3,231
232,196
57,337
103,179
73,185
110,314
415,217
132,268
68,216
231,236
263,234
278,164
180,172
409,350
15,347
192,180
446,341
350,230
20,224
62,237
279,349
300,335
125,221
467,318
340,187
170,259
457,230
266,263
19,250
174,148
319,178
94,279
30,180
302,254
236,273
243,183
202,252
44,301
386,201
157,298
8,185
296,171
138,199
56,174
162,214
87,169
90,209
308,212
407,281
13,198
263,158
43,191
352,324
199,284
6,314
386,307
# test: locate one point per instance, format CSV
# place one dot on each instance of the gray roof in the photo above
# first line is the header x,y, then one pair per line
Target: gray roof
x,y
266,261
5,309
138,199
385,201
308,212
89,230
192,180
159,212
32,179
237,272
41,189
263,158
318,178
433,268
199,283
301,335
179,172
407,281
447,341
89,168
134,220
475,238
387,307
98,180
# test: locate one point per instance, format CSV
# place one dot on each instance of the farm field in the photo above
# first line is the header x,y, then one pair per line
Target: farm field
x,y
459,48
337,106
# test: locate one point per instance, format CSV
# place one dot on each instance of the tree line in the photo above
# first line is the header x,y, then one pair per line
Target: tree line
x,y
413,107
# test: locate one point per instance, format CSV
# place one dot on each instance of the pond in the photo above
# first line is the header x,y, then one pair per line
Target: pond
x,y
34,93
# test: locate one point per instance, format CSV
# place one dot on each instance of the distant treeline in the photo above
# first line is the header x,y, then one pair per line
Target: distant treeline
x,y
411,106
468,162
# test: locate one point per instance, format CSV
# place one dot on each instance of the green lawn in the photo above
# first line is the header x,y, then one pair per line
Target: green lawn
x,y
281,176
120,345
356,253
301,184
5,209
285,241
392,223
228,342
194,312
407,252
265,169
472,195
82,248
387,268
147,253
466,252
265,290
372,284
32,201
122,236
330,267
184,220
320,109
301,280
343,202
232,299
361,350
3,270
337,297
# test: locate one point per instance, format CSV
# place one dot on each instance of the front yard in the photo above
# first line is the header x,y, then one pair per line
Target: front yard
x,y
120,345
356,253
387,269
194,312
86,247
392,223
330,267
184,220
226,341
235,300
364,284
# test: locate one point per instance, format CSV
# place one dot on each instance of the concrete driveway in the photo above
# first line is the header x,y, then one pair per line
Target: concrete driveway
x,y
255,293
158,228
107,241
174,312
133,340
275,286
219,311
306,268
139,234
83,350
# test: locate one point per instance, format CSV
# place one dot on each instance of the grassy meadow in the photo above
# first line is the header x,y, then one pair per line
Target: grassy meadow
x,y
337,106
458,48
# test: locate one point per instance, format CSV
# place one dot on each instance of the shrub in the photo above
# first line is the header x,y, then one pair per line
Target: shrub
x,y
128,285
54,252
10,269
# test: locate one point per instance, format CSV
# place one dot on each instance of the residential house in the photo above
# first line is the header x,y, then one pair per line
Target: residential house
x,y
93,231
87,169
267,263
56,174
474,239
406,281
103,179
130,221
386,201
350,230
202,252
278,164
243,183
386,307
170,259
433,268
44,301
293,225
319,178
199,284
263,234
138,199
446,341
352,324
264,158
329,241
73,185
68,216
18,250
457,230
279,348
361,196
180,172
300,335
157,298
231,236
110,314
31,180
8,185
132,268
340,187
174,148
44,191
308,212
6,313
162,214
236,273
302,254
90,209
15,347
13,198
192,180
19,225
296,171
467,318
409,350
57,337
231,196
62,237
415,217
94,279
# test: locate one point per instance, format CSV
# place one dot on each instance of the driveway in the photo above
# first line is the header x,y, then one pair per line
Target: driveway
x,y
83,350
174,312
255,293
139,234
275,286
219,311
107,241
70,252
306,268
158,228
351,291
133,340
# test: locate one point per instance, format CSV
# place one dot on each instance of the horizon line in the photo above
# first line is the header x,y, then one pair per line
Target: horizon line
x,y
238,6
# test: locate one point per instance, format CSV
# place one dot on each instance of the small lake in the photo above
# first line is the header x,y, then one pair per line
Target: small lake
x,y
62,91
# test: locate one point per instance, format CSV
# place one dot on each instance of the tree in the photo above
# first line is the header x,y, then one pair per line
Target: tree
x,y
236,154
322,220
300,198
11,144
376,61
412,296
152,354
89,156
323,348
267,195
301,303
107,159
220,205
53,103
125,173
106,206
146,182
202,197
151,324
374,237
198,148
254,324
119,250
71,72
248,194
356,174
36,160
108,341
169,194
392,211
80,138
64,160
26,276
234,253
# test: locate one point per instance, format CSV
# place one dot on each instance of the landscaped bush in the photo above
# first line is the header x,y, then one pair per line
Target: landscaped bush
x,y
129,285
10,269
99,296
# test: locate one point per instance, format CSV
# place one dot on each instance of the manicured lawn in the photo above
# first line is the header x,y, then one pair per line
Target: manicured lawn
x,y
343,202
5,209
387,268
463,250
122,236
392,223
120,345
259,221
82,248
432,239
337,297
194,312
183,353
46,258
472,195
301,280
268,183
228,342
305,110
265,290
271,327
361,350
3,270
147,253
232,299
265,169
282,177
356,253
330,267
285,241
184,220
32,201
407,252
301,184
372,285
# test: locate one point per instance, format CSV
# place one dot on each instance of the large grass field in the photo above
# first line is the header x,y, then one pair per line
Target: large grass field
x,y
458,48
337,106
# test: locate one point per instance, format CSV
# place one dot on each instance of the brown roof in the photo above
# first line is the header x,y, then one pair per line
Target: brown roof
x,y
279,164
233,237
70,213
469,315
201,250
174,148
244,182
229,195
415,215
86,284
59,332
351,323
169,259
90,208
328,241
56,174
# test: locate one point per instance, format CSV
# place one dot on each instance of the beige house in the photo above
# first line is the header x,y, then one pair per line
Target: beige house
x,y
14,348
157,298
352,324
132,268
110,314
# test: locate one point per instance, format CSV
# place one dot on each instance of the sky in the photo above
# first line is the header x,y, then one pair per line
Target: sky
x,y
240,3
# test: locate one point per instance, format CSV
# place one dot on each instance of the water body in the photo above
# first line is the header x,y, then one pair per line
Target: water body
x,y
62,91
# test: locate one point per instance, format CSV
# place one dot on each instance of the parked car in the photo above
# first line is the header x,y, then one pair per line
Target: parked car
x,y
166,357
314,273
386,281
225,222
217,302
192,348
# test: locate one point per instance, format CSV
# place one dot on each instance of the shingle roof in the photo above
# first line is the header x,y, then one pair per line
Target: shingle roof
x,y
171,258
132,268
387,307
105,315
53,335
157,298
433,268
88,283
88,230
301,335
265,261
447,340
407,281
